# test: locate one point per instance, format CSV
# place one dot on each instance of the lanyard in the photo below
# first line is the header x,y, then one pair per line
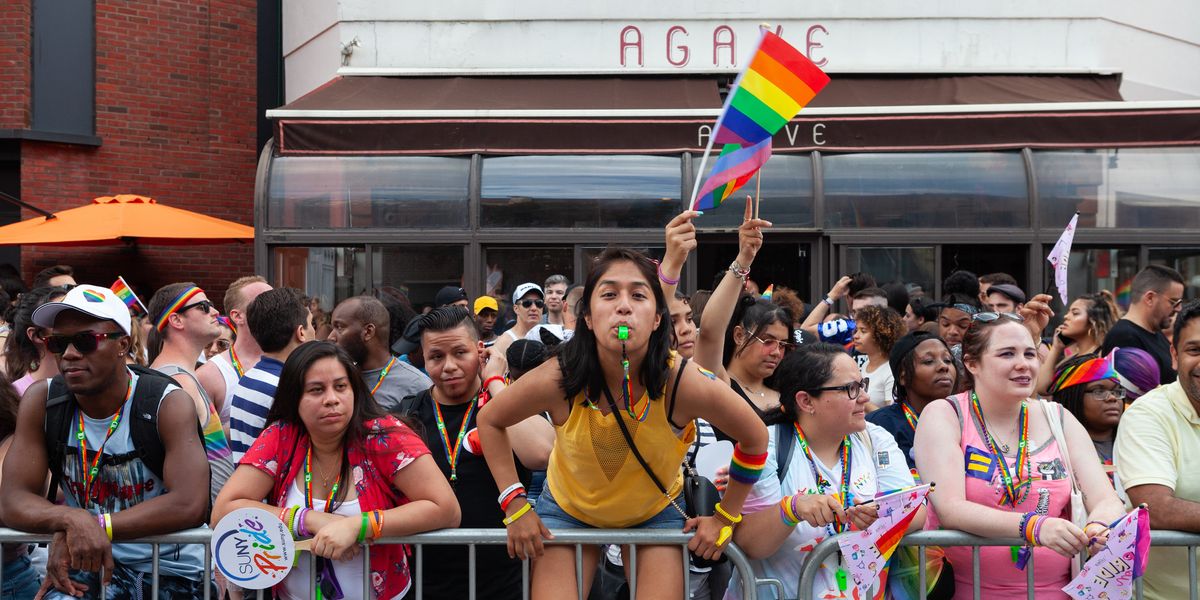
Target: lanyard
x,y
90,472
822,484
237,364
382,375
452,453
1012,482
308,477
910,415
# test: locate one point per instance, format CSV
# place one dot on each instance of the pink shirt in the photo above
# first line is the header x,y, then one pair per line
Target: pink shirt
x,y
23,383
1051,492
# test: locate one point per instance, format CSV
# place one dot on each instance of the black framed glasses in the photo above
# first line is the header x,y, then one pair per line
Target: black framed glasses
x,y
852,389
526,303
85,342
205,306
989,317
772,344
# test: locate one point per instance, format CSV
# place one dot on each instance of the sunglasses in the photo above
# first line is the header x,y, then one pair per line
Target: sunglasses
x,y
988,317
852,389
532,302
85,342
205,306
222,344
771,344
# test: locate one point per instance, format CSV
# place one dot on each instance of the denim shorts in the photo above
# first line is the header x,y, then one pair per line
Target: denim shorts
x,y
21,581
128,583
554,517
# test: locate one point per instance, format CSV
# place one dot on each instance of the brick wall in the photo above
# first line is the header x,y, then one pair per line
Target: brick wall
x,y
175,108
14,64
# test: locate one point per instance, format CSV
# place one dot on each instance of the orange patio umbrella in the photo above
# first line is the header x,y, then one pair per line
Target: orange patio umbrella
x,y
124,218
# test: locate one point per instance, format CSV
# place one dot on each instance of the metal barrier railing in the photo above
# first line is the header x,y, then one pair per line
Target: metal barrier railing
x,y
463,537
944,538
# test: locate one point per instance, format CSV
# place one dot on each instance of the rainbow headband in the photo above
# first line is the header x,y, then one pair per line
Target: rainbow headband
x,y
179,302
1088,371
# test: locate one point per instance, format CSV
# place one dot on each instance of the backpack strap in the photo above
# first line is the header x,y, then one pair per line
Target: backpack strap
x,y
408,406
59,406
143,424
785,445
674,393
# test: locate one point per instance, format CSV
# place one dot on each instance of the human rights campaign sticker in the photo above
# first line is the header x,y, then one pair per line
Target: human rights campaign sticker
x,y
979,464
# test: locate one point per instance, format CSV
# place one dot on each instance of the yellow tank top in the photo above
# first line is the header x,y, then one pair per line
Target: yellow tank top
x,y
594,476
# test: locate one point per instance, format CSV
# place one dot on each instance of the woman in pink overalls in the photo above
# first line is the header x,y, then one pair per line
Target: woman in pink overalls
x,y
1000,472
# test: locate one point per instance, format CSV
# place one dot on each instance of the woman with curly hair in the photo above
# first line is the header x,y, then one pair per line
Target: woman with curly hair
x,y
878,329
1082,331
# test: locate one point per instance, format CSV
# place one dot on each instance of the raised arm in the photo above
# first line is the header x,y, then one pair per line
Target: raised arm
x,y
532,439
680,241
821,309
1045,376
710,347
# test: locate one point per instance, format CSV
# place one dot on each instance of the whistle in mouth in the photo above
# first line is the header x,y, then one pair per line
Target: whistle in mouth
x,y
623,332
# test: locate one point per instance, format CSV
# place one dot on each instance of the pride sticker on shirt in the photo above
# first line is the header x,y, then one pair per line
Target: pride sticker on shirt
x,y
980,464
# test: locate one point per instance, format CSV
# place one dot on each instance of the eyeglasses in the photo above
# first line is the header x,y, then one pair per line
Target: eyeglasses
x,y
526,303
852,389
1176,302
223,344
988,317
85,342
205,306
771,344
1104,394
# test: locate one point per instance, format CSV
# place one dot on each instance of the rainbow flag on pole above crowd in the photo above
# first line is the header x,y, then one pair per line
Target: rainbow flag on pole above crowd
x,y
125,293
776,84
865,553
1109,574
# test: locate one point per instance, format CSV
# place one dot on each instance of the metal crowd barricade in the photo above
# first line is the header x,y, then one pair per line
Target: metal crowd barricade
x,y
466,537
944,538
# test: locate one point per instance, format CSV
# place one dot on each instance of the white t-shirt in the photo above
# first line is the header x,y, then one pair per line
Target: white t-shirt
x,y
879,468
880,383
349,573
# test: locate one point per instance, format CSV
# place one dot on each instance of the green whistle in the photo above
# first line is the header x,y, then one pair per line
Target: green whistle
x,y
623,332
840,575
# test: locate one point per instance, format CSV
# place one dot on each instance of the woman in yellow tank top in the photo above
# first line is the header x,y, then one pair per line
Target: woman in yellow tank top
x,y
593,480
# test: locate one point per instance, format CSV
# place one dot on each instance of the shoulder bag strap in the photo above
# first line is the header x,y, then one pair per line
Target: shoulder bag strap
x,y
1056,429
612,406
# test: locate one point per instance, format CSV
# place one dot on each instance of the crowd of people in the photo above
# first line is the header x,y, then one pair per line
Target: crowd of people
x,y
587,409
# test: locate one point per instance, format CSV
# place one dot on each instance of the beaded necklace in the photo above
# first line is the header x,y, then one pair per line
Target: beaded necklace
x,y
1014,482
308,477
90,472
382,375
452,453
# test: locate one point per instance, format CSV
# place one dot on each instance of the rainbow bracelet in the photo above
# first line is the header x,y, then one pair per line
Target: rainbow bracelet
x,y
746,468
787,512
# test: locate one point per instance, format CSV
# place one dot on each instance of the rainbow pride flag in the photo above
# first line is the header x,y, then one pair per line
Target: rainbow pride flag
x,y
1125,294
125,293
777,83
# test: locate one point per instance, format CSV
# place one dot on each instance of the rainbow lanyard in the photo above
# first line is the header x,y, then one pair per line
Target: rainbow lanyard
x,y
237,364
382,375
1012,489
627,391
822,484
89,473
452,454
308,477
910,416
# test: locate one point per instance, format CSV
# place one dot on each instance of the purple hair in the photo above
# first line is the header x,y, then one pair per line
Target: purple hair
x,y
1138,370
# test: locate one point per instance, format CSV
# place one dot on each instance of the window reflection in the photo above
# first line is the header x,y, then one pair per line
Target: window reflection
x,y
330,274
1091,270
913,266
786,196
1184,260
368,191
580,191
418,272
977,189
1128,187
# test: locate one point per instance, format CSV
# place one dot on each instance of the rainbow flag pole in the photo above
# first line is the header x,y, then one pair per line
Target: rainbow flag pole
x,y
125,293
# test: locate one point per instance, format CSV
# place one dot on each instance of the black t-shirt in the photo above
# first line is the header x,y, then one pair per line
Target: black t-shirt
x,y
891,418
445,567
1127,334
769,417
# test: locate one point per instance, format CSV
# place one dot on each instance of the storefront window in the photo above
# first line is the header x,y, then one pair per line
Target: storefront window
x,y
1184,260
580,191
926,190
1091,270
913,266
368,191
329,274
417,271
1127,187
786,197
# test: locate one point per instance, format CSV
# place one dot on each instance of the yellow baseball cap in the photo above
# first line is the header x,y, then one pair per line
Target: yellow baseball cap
x,y
483,302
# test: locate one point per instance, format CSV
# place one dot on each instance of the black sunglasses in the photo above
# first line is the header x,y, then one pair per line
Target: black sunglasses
x,y
205,306
526,303
85,342
988,317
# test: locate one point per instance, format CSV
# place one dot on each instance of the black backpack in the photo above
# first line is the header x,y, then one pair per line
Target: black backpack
x,y
143,424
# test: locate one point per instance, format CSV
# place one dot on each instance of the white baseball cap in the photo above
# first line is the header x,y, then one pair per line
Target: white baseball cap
x,y
90,300
525,288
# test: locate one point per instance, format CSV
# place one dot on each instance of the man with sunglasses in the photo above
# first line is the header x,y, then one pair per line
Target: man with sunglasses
x,y
113,487
1157,295
528,304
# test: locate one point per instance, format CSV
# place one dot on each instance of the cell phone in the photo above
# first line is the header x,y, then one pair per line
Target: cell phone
x,y
1065,340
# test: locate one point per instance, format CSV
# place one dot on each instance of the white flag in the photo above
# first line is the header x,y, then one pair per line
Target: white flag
x,y
1110,573
1060,255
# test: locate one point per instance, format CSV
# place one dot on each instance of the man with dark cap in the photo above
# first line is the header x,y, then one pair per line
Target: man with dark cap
x,y
451,295
1005,298
361,327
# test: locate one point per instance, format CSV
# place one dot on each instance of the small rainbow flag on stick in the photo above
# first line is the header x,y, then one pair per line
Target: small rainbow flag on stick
x,y
125,293
776,84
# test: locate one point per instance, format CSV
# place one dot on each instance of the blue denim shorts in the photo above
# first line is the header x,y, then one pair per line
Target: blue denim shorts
x,y
554,517
21,581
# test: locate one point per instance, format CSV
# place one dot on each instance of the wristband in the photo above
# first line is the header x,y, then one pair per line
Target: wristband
x,y
517,515
1021,529
726,533
1102,524
509,490
746,468
1037,531
828,300
738,271
509,500
787,512
108,526
728,517
376,524
301,528
362,530
100,519
663,278
283,513
489,380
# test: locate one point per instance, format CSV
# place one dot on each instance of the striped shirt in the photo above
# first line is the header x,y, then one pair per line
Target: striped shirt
x,y
252,400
